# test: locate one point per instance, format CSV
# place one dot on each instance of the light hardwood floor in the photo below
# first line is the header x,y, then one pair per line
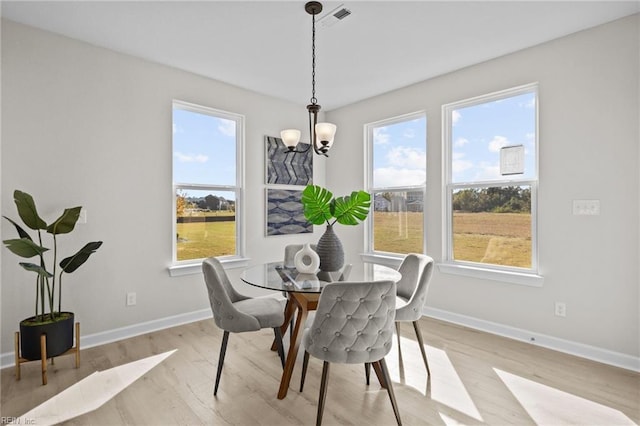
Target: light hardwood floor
x,y
477,378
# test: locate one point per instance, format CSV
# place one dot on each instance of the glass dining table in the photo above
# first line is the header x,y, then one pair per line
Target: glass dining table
x,y
303,292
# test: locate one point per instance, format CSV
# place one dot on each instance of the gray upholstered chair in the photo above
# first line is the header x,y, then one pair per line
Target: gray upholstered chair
x,y
416,270
236,313
353,325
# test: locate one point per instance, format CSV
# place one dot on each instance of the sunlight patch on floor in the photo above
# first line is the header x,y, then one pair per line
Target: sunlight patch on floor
x,y
547,405
91,392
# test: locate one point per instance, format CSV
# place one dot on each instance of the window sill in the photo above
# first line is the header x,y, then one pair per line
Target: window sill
x,y
511,277
393,261
196,268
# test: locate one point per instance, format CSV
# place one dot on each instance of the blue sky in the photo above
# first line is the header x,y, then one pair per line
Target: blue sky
x,y
203,149
480,131
399,154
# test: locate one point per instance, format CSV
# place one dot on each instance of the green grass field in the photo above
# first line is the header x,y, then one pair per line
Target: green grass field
x,y
497,238
204,239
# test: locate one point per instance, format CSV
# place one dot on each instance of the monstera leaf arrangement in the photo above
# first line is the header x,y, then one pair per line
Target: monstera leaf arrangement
x,y
321,207
48,277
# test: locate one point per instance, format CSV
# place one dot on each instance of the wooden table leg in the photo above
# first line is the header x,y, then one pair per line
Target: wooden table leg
x,y
289,310
303,310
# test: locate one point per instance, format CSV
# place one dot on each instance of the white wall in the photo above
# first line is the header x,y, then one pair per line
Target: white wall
x,y
589,140
82,125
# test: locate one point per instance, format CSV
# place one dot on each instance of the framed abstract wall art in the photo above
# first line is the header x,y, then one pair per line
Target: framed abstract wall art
x,y
287,168
284,213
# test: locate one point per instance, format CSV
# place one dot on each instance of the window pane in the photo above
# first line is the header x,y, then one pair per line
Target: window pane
x,y
205,224
398,224
399,154
204,148
480,131
492,225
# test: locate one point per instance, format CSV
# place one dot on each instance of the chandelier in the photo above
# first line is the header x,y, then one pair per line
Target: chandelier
x,y
322,134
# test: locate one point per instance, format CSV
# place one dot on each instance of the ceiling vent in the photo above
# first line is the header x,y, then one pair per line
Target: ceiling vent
x,y
336,15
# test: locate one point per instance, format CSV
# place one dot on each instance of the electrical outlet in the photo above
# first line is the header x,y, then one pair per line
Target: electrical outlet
x,y
561,309
131,299
586,207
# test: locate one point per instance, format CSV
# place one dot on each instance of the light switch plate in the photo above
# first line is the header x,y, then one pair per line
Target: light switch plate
x,y
586,207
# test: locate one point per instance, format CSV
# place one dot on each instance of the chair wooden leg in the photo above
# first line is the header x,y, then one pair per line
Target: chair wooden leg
x,y
305,364
392,396
367,372
323,392
223,350
416,327
278,333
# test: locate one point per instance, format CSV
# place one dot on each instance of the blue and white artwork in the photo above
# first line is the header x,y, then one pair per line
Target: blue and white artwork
x,y
288,168
285,214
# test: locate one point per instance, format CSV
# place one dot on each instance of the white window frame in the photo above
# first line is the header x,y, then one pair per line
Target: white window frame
x,y
194,266
370,255
524,276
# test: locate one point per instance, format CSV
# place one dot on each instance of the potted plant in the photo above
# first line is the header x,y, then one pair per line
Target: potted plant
x,y
320,207
56,324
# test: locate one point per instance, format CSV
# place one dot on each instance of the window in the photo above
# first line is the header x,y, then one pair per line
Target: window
x,y
397,175
207,183
491,179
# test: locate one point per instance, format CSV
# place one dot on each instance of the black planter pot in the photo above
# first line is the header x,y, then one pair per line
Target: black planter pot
x,y
59,337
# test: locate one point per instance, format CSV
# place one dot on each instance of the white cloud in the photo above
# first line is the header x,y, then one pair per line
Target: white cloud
x,y
498,142
459,165
401,156
409,133
391,176
177,129
530,136
488,171
380,136
227,127
531,103
191,158
460,142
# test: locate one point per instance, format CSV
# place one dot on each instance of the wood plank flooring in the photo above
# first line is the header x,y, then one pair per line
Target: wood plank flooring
x,y
477,378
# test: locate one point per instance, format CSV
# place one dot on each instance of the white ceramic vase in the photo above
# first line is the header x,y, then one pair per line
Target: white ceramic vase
x,y
307,260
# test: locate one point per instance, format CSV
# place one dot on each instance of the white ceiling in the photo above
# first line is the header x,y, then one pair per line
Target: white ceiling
x,y
265,46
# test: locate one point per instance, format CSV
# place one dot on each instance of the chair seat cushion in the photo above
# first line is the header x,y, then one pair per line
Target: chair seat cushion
x,y
268,311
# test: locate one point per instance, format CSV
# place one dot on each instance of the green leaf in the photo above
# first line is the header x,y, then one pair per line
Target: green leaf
x,y
317,204
350,210
24,247
27,210
36,268
72,263
21,232
65,223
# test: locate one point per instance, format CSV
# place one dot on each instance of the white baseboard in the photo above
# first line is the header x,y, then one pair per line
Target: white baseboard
x,y
573,348
585,351
109,336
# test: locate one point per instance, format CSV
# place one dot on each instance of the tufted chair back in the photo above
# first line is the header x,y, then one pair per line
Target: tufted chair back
x,y
353,322
416,270
222,297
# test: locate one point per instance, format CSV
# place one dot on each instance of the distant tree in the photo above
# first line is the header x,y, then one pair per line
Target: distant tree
x,y
212,202
181,203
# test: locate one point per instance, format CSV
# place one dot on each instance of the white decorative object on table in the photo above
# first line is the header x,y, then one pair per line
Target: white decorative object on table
x,y
307,260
